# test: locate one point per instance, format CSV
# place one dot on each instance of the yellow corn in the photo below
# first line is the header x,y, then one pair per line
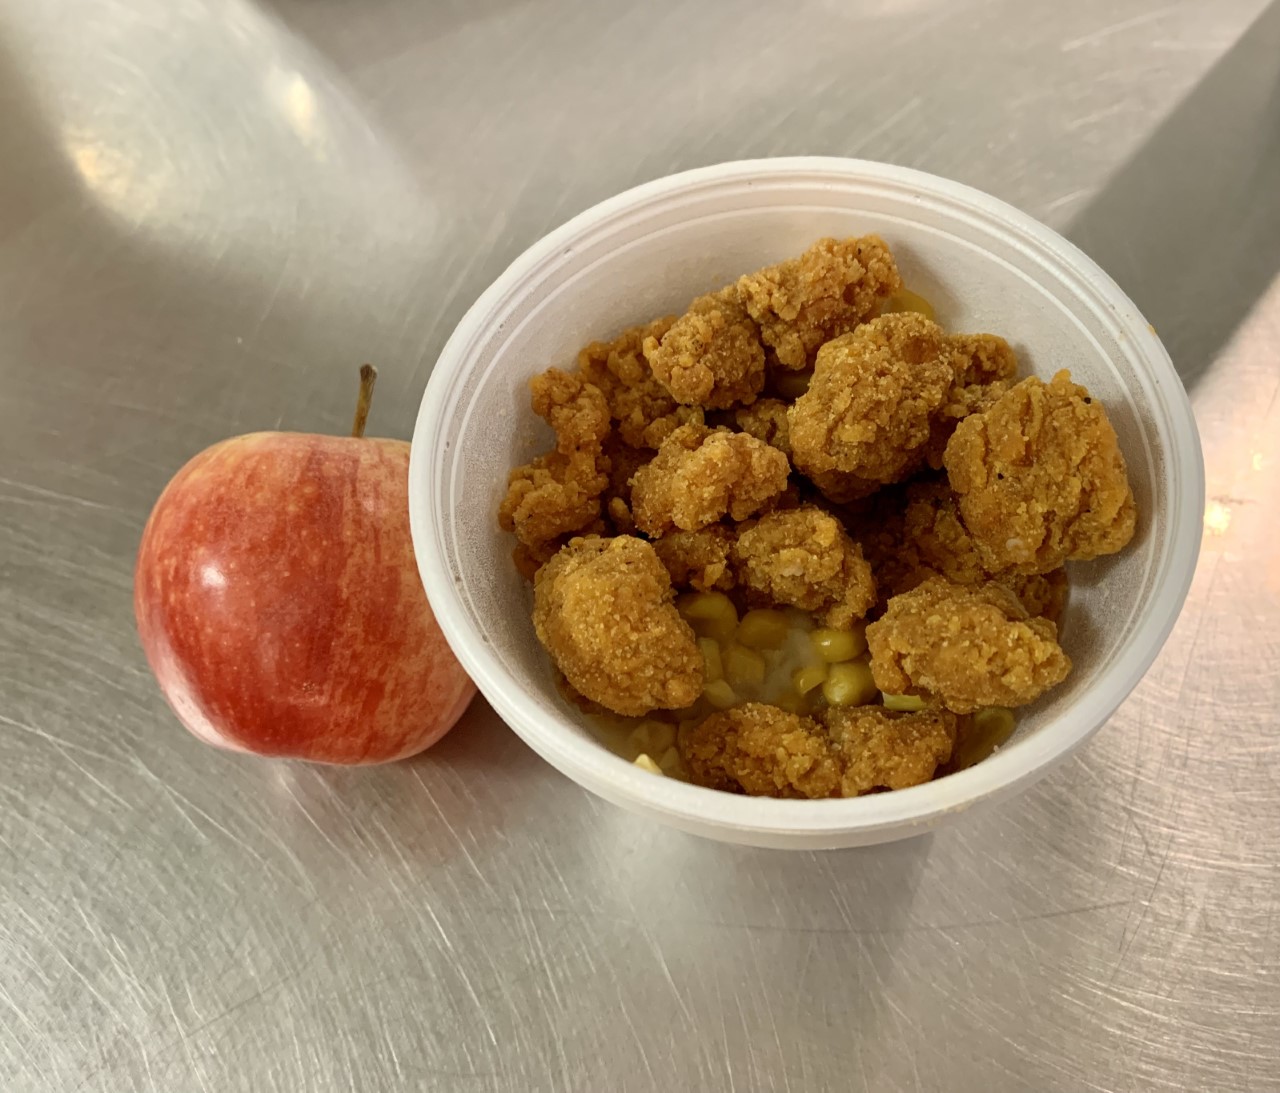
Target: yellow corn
x,y
906,300
994,723
763,629
743,667
652,737
794,703
807,678
712,665
719,694
711,614
670,762
903,703
645,763
849,684
835,646
705,605
791,385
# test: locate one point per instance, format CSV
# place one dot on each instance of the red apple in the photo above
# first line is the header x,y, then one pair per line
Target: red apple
x,y
280,606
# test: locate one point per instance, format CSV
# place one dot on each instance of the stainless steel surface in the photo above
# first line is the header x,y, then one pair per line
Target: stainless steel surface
x,y
210,211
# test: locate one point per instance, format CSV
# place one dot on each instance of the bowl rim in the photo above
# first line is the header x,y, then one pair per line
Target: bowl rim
x,y
591,764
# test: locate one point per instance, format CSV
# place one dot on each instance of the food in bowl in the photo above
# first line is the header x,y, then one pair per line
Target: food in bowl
x,y
801,541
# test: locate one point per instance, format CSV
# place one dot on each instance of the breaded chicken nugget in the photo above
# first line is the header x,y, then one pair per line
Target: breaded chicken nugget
x,y
967,646
867,414
644,410
559,493
831,288
1041,478
698,559
764,751
984,366
711,356
766,419
604,609
701,475
911,534
803,558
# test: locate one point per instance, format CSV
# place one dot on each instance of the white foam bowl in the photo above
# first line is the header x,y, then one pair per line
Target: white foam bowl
x,y
647,252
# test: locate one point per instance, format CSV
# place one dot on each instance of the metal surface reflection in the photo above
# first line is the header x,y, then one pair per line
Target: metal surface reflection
x,y
210,210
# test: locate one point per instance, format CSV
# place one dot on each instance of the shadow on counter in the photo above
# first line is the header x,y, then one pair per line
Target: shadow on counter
x,y
1190,226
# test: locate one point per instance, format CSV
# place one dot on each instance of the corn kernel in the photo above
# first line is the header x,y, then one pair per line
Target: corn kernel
x,y
645,763
994,723
652,737
906,300
807,678
835,646
791,702
903,703
670,762
849,684
711,614
791,385
705,605
763,629
719,694
712,664
743,667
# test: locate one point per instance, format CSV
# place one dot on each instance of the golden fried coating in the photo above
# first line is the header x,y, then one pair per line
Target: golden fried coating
x,y
698,559
984,367
967,646
559,493
701,475
803,558
643,409
624,461
604,609
911,534
1042,594
711,356
763,751
936,536
868,409
884,750
766,419
980,359
1041,478
831,288
842,488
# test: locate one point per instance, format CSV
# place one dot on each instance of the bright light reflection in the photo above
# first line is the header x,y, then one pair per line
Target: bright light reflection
x,y
1217,518
212,577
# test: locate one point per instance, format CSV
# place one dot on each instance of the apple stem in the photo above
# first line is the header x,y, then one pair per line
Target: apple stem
x,y
368,377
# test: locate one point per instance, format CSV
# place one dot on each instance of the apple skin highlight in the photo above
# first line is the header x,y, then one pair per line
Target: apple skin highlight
x,y
280,607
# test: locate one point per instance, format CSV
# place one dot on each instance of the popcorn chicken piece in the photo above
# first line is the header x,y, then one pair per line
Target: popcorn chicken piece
x,y
827,291
803,557
984,367
884,750
604,609
764,751
866,418
766,419
624,461
967,646
701,475
911,534
711,356
698,559
643,408
559,493
1041,478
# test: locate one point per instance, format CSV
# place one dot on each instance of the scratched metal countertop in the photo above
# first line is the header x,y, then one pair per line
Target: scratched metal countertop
x,y
209,211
